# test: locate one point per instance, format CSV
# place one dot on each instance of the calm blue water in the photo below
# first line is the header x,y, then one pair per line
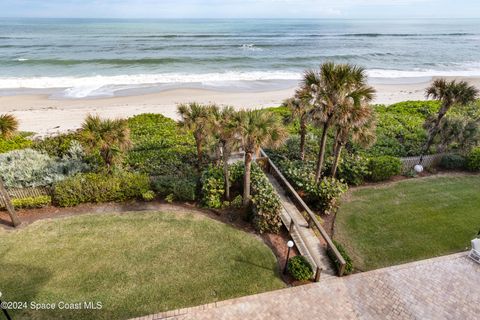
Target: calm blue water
x,y
100,57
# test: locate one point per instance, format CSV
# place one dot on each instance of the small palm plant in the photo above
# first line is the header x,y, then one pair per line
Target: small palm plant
x,y
257,129
449,94
197,118
111,138
8,125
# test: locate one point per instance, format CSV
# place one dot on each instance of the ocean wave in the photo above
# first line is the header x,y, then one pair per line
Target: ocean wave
x,y
375,35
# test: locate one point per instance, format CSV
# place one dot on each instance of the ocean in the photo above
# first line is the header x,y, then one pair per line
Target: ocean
x,y
79,58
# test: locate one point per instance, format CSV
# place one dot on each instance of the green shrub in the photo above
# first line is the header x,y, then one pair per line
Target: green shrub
x,y
213,187
323,196
237,202
384,167
56,146
352,169
266,204
170,198
185,189
17,142
32,202
163,185
453,162
344,254
473,160
100,187
148,196
300,268
31,168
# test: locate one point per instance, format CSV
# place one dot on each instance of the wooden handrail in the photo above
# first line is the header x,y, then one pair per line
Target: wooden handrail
x,y
312,219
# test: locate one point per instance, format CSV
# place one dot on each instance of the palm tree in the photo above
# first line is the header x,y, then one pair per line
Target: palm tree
x,y
225,130
197,118
4,196
449,94
257,128
357,121
8,125
329,88
111,138
302,110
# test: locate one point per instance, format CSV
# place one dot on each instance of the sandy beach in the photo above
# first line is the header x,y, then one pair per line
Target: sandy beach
x,y
45,116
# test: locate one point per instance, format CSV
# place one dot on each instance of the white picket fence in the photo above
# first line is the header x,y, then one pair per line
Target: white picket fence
x,y
429,161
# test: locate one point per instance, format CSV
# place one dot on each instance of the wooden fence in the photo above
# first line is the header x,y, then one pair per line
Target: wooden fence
x,y
429,161
22,193
302,206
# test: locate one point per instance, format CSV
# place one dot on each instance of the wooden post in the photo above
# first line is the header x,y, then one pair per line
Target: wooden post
x,y
8,204
317,274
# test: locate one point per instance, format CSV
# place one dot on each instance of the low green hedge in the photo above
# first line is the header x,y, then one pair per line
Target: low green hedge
x,y
344,254
384,167
100,187
32,202
300,268
473,160
19,141
183,189
213,187
453,162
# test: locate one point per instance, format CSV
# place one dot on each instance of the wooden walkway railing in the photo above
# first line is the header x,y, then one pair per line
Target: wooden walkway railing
x,y
21,193
313,222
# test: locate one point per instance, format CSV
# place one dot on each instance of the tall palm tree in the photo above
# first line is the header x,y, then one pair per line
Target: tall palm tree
x,y
8,204
8,125
197,118
449,94
225,131
302,110
257,128
331,87
357,122
111,138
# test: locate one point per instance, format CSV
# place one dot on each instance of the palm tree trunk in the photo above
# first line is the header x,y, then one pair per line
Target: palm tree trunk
x,y
303,133
226,172
336,160
8,204
321,153
433,132
246,178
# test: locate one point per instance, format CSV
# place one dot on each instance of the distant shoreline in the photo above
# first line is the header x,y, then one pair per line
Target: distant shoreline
x,y
41,114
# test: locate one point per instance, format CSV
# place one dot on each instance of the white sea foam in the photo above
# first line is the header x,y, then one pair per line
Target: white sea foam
x,y
81,87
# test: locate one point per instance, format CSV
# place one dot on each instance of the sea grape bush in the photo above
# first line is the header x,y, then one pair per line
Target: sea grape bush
x,y
473,160
213,187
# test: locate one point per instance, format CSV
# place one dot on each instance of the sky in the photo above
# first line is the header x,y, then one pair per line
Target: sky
x,y
348,9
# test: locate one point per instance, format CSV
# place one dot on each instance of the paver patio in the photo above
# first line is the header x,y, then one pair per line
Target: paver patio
x,y
441,288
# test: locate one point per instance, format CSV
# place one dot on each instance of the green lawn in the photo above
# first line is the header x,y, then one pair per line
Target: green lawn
x,y
409,220
134,264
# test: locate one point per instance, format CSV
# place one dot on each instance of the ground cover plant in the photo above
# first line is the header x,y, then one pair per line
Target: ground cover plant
x,y
409,220
124,261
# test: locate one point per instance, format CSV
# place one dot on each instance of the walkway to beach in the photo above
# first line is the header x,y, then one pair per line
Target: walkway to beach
x,y
441,288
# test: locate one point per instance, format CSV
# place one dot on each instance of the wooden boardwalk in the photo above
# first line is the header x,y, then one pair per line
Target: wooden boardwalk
x,y
306,241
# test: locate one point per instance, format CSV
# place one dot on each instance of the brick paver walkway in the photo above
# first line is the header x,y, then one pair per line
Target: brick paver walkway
x,y
441,288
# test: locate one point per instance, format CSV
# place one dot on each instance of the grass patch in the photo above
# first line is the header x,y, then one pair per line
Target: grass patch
x,y
135,264
409,220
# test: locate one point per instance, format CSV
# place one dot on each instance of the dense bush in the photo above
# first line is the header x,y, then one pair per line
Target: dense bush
x,y
453,162
213,187
32,202
384,167
148,195
160,147
31,168
344,254
100,187
324,196
181,188
473,160
19,141
237,202
56,146
352,169
266,204
300,268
